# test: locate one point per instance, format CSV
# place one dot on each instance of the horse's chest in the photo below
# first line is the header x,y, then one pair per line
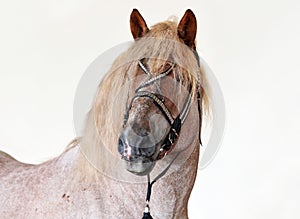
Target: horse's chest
x,y
114,200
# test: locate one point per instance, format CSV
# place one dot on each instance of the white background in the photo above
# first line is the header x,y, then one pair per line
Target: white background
x,y
252,47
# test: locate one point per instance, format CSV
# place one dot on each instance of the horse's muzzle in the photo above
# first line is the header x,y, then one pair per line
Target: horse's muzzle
x,y
139,166
138,160
134,148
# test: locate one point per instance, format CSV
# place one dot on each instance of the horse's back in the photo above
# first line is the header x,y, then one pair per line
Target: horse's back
x,y
6,158
19,187
8,164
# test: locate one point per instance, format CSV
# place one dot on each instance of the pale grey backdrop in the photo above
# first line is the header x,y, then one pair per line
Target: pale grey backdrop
x,y
252,47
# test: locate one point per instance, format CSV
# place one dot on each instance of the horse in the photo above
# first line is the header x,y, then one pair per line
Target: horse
x,y
145,122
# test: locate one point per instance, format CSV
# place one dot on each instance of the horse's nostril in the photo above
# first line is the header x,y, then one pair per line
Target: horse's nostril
x,y
149,151
146,152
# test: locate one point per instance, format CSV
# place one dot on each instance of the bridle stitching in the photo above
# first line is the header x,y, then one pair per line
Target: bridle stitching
x,y
151,80
157,101
143,67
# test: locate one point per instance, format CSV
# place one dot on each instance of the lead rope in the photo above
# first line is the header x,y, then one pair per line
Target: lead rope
x,y
147,214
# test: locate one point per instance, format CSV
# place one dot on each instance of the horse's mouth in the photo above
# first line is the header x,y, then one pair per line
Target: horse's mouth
x,y
140,166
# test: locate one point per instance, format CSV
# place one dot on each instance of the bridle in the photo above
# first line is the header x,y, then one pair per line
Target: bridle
x,y
175,123
158,100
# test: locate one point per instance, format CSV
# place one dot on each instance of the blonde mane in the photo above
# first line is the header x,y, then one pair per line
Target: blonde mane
x,y
105,119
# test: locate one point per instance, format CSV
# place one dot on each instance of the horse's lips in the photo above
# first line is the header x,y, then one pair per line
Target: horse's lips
x,y
139,166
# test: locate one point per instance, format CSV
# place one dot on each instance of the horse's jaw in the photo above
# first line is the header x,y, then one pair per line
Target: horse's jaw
x,y
139,167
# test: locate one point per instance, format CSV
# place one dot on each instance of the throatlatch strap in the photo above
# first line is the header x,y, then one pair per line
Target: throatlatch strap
x,y
199,96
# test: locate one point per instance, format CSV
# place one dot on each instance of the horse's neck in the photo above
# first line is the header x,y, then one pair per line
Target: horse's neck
x,y
120,199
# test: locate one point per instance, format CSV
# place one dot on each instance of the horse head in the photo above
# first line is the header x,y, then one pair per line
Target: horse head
x,y
161,91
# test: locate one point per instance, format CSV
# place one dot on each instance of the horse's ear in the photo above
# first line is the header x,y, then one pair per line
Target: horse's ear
x,y
187,28
138,25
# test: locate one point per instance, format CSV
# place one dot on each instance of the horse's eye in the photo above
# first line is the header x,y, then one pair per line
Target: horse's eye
x,y
177,77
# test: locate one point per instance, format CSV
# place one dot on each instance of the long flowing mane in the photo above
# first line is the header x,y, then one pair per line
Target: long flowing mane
x,y
104,121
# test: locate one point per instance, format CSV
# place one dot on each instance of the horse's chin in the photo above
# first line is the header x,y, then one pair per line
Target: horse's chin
x,y
140,167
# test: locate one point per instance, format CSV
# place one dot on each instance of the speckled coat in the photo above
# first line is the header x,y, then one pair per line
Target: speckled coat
x,y
68,187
